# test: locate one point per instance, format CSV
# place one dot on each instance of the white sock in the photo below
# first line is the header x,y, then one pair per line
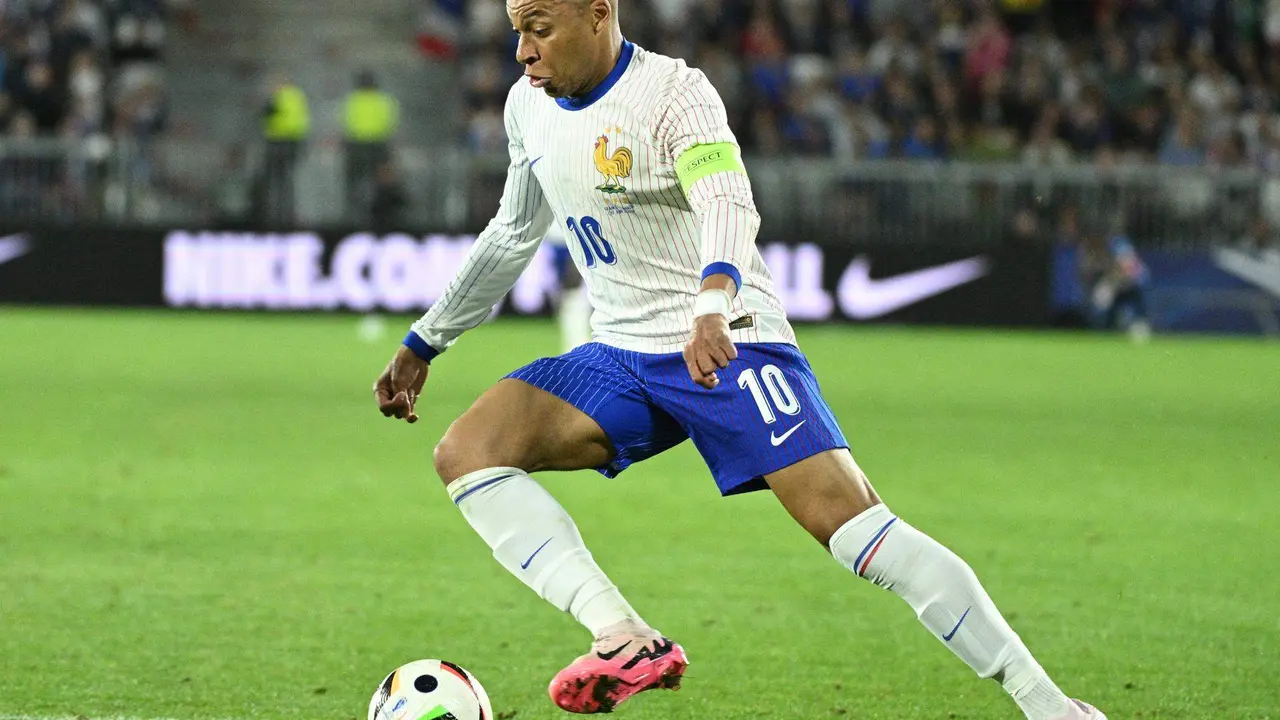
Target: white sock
x,y
950,601
575,318
534,538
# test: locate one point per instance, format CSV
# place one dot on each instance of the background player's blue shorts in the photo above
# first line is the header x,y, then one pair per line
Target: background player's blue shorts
x,y
766,413
562,259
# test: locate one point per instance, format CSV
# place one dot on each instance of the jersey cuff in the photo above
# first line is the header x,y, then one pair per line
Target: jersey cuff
x,y
425,352
700,161
723,268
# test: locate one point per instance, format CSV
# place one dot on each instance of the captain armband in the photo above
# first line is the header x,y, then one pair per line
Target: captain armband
x,y
700,161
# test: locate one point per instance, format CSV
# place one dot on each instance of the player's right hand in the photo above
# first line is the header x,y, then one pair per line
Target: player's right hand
x,y
710,349
398,387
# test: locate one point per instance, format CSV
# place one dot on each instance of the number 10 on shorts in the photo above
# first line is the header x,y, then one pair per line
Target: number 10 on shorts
x,y
770,381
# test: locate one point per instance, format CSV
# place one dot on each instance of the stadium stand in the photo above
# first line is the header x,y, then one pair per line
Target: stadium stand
x,y
1179,82
75,70
872,120
1024,110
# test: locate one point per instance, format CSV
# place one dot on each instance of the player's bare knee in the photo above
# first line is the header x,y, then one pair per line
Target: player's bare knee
x,y
468,447
458,453
446,459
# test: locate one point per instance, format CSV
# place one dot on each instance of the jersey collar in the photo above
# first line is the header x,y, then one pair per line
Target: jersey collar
x,y
579,103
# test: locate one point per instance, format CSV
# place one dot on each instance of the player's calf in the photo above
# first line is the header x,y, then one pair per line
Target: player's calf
x,y
828,490
535,539
485,459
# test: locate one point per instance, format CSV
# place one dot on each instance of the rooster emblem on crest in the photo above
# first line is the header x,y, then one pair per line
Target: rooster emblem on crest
x,y
613,167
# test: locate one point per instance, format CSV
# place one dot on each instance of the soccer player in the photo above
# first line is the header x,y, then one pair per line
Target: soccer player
x,y
632,149
1116,280
573,307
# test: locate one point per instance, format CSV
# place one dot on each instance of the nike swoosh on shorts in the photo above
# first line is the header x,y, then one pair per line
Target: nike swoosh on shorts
x,y
777,440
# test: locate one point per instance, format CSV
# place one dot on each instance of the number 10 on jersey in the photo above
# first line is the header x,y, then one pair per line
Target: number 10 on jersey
x,y
594,247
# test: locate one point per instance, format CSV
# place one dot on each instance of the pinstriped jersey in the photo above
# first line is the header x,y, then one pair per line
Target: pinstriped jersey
x,y
603,169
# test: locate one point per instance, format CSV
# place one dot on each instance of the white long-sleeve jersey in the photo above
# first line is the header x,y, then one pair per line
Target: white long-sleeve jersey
x,y
604,168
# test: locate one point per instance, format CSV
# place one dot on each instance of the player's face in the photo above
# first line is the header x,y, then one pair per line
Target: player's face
x,y
560,42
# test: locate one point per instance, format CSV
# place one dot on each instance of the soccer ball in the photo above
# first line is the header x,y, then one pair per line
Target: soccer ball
x,y
430,690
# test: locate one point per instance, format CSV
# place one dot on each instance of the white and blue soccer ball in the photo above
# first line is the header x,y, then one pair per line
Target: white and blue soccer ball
x,y
430,690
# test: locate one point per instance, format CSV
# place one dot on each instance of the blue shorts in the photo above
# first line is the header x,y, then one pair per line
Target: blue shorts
x,y
766,413
562,260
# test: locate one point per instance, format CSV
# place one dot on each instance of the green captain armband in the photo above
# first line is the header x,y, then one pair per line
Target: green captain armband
x,y
700,161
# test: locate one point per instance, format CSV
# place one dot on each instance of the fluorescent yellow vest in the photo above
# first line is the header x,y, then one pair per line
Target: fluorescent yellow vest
x,y
370,116
291,120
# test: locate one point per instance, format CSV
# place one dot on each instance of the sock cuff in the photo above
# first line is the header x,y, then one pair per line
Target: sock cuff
x,y
474,482
864,524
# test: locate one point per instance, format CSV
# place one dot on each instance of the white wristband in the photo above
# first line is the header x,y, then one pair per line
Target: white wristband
x,y
713,302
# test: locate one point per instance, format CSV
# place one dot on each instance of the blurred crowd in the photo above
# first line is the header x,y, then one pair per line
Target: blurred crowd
x,y
1178,82
75,70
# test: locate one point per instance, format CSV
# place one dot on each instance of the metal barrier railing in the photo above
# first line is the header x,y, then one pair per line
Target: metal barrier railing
x,y
187,182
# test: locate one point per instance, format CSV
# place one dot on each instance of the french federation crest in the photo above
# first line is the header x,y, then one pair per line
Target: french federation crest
x,y
614,167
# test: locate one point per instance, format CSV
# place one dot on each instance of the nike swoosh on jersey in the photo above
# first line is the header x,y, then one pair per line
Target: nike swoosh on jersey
x,y
535,160
779,439
863,298
13,247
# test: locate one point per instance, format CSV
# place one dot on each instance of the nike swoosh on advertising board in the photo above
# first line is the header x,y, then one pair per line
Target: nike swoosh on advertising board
x,y
1257,271
868,298
13,247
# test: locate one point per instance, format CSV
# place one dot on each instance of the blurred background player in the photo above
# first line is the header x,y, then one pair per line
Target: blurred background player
x,y
1114,279
573,307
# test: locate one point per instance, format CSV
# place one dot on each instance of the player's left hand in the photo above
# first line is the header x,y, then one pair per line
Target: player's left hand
x,y
709,350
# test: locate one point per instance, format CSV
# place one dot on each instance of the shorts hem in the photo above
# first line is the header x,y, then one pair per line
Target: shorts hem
x,y
624,456
756,482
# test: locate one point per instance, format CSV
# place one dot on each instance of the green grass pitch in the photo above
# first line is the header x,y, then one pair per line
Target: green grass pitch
x,y
204,516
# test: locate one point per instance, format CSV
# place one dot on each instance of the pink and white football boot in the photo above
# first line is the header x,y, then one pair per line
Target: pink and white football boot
x,y
622,662
1082,711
